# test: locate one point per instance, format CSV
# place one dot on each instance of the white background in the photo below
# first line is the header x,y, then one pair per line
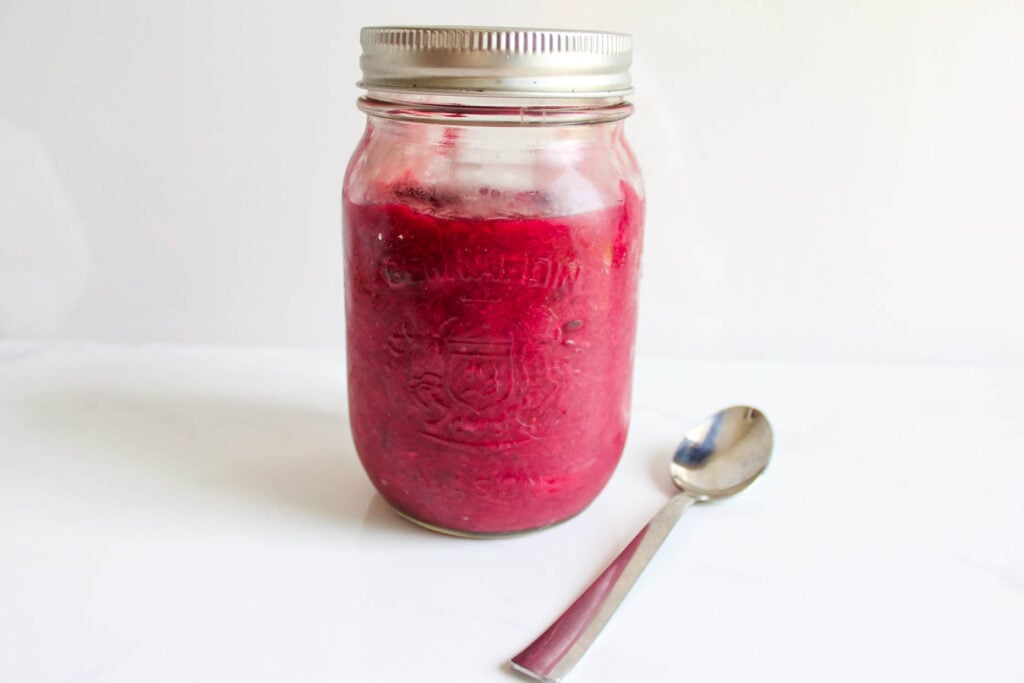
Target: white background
x,y
826,180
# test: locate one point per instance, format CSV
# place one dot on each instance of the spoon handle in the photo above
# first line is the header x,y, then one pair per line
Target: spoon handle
x,y
560,647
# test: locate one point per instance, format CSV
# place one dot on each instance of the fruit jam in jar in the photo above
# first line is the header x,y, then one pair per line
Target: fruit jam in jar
x,y
493,218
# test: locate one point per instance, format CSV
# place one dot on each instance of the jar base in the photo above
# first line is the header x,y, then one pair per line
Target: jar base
x,y
475,534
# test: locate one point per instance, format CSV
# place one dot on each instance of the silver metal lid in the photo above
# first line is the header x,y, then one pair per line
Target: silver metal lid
x,y
500,62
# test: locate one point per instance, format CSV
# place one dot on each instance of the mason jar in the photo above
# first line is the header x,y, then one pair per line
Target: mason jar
x,y
493,219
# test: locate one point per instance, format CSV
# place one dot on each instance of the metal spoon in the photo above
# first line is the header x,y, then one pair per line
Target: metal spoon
x,y
717,458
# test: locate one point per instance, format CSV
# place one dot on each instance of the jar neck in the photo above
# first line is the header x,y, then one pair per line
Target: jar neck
x,y
461,109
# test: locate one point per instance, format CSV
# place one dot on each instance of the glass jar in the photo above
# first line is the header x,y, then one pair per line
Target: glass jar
x,y
492,229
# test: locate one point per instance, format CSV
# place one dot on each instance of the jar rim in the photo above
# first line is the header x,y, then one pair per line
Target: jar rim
x,y
509,112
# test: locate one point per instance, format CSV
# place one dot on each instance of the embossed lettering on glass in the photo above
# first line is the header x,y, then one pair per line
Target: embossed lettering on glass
x,y
492,225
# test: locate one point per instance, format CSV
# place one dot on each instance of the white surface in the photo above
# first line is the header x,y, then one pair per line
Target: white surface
x,y
196,514
827,178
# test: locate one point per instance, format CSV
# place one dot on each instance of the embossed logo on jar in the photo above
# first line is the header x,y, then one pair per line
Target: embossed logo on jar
x,y
479,372
470,386
407,268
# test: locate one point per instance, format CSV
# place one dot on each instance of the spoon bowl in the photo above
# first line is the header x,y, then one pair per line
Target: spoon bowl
x,y
724,454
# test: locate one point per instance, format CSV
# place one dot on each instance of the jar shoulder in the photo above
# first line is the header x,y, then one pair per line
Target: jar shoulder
x,y
493,171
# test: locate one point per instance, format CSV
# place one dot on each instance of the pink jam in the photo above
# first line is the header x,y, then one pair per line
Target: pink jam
x,y
489,358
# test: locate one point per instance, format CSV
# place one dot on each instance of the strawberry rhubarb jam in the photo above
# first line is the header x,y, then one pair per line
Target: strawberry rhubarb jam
x,y
489,359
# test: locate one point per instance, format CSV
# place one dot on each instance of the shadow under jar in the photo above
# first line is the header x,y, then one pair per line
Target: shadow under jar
x,y
493,219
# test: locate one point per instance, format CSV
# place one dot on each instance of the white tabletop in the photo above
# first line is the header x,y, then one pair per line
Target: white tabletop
x,y
198,514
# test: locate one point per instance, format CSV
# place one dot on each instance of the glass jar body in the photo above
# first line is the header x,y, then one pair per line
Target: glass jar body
x,y
491,279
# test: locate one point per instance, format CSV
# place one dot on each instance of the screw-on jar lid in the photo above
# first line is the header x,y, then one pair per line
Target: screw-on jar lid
x,y
500,62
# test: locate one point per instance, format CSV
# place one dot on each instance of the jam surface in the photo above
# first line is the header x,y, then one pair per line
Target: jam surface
x,y
490,358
